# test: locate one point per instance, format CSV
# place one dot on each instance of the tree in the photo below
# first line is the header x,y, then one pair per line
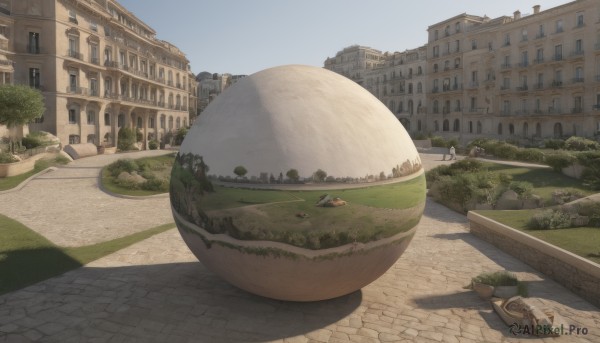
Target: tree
x,y
126,139
240,171
320,175
19,105
292,174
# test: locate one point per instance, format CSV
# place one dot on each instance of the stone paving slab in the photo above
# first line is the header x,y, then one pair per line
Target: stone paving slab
x,y
66,206
156,291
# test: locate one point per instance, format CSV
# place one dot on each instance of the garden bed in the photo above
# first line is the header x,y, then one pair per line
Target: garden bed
x,y
155,170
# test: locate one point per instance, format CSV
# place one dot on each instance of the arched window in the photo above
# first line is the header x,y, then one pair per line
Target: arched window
x,y
511,129
410,106
139,122
419,127
525,129
419,87
558,131
121,120
479,128
435,68
436,126
401,107
419,70
91,138
470,127
538,130
456,126
500,129
410,88
170,122
435,106
392,105
446,125
178,123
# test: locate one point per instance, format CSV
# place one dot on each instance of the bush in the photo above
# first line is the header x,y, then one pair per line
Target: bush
x,y
550,219
153,145
581,144
126,139
496,279
522,188
119,166
7,158
139,136
466,165
590,209
438,142
155,184
530,155
558,161
181,133
33,141
506,151
555,144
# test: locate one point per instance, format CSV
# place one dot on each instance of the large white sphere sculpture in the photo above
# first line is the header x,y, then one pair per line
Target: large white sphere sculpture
x,y
297,184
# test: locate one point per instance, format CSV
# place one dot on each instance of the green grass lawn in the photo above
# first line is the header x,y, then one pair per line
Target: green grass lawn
x,y
544,180
10,182
27,257
159,166
581,241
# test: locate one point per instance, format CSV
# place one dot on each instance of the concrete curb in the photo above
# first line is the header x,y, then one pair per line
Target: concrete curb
x,y
26,181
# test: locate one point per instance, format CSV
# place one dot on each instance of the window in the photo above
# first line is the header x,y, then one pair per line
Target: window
x,y
479,127
473,44
579,19
139,122
74,47
577,104
34,78
456,125
578,74
524,35
473,104
558,52
511,129
122,59
435,34
74,139
540,81
447,30
72,116
470,127
507,39
91,117
506,107
539,55
559,26
524,59
457,27
178,123
120,120
94,54
419,88
578,47
151,123
457,46
93,26
91,138
73,16
538,105
436,106
525,129
436,51
107,119
524,106
93,87
107,30
162,121
34,43
500,129
107,87
73,81
446,125
541,32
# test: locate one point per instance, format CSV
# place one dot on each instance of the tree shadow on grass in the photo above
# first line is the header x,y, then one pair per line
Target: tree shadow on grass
x,y
170,302
20,268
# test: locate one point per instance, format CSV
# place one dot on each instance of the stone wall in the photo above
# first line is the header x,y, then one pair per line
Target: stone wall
x,y
21,167
574,272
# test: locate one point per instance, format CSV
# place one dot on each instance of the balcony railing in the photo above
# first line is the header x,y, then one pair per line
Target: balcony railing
x,y
554,110
6,62
522,88
596,107
577,79
538,60
74,54
557,57
540,35
556,84
33,49
95,60
505,66
435,90
77,90
524,64
539,85
576,110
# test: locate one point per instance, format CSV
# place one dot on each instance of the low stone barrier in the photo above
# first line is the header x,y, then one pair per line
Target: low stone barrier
x,y
21,167
77,151
574,272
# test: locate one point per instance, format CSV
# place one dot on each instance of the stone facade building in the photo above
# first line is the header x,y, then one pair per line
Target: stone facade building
x,y
522,77
99,68
211,85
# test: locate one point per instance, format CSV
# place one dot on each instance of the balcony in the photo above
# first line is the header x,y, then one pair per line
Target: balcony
x,y
538,60
505,112
556,84
33,49
473,84
557,57
77,90
539,86
554,110
538,111
95,60
94,92
435,90
522,112
577,110
6,62
504,88
505,66
577,54
445,110
522,88
524,64
578,79
170,83
540,35
74,54
596,107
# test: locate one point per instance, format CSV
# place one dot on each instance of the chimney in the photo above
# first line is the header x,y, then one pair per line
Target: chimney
x,y
517,15
536,9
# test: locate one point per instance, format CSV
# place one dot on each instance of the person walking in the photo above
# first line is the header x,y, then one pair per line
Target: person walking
x,y
452,153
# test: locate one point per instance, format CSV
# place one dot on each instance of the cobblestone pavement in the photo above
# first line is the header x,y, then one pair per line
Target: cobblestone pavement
x,y
66,206
156,291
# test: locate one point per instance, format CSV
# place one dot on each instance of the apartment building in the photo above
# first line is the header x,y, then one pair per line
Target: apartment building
x,y
354,60
400,84
210,85
524,77
99,68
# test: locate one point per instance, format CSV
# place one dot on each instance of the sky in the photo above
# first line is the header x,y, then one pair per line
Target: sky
x,y
246,36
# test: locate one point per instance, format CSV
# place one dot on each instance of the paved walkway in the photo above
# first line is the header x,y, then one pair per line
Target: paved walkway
x,y
66,206
156,291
